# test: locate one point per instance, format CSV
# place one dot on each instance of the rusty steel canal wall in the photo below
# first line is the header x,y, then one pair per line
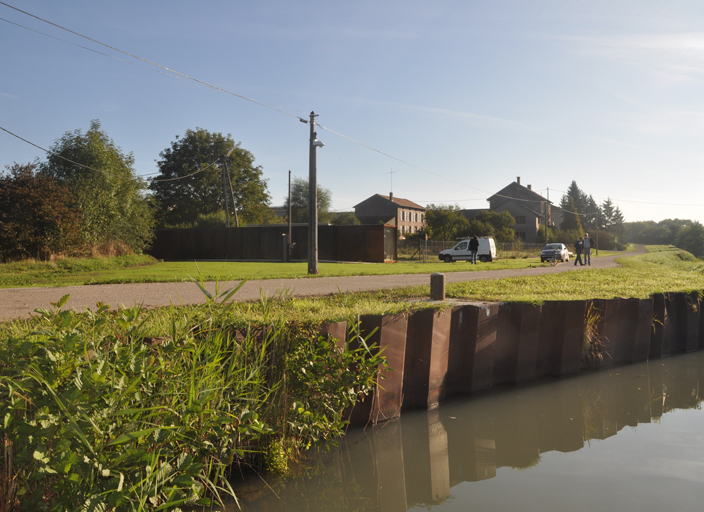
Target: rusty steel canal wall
x,y
468,348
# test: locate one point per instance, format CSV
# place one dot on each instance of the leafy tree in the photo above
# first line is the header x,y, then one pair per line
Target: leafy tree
x,y
501,223
299,202
109,194
553,235
190,183
691,238
445,222
345,219
36,218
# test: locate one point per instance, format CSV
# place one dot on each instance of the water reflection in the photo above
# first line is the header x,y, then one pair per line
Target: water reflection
x,y
419,459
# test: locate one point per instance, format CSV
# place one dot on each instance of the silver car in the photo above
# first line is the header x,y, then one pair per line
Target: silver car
x,y
559,251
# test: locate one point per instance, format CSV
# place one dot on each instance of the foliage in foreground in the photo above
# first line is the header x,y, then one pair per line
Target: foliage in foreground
x,y
97,415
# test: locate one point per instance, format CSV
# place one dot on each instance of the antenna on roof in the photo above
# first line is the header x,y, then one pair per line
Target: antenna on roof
x,y
392,172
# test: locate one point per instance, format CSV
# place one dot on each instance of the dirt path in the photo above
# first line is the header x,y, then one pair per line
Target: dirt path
x,y
20,302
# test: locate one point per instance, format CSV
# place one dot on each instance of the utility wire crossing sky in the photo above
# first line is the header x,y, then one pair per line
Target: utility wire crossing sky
x,y
456,98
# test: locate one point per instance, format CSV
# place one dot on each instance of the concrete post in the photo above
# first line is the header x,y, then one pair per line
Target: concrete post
x,y
437,286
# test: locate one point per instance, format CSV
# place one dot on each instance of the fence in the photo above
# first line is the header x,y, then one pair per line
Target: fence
x,y
416,249
268,243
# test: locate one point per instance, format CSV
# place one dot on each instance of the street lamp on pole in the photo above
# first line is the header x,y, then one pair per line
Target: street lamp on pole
x,y
313,198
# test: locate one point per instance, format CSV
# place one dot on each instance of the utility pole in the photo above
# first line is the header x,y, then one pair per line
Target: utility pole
x,y
289,240
313,198
224,189
545,203
597,231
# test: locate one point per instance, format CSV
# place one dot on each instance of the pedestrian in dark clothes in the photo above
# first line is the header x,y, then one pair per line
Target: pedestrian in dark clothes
x,y
578,248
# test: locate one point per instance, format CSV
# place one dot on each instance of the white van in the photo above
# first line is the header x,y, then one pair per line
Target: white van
x,y
486,252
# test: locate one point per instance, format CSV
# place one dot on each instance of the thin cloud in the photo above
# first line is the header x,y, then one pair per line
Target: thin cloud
x,y
7,95
479,118
673,57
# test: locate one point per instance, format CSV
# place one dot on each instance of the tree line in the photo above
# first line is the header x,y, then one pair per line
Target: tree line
x,y
579,211
86,198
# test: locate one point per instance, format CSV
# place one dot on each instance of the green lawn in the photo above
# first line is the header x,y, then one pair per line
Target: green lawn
x,y
663,269
144,269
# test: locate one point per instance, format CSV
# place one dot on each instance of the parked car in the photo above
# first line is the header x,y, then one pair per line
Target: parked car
x,y
486,252
557,250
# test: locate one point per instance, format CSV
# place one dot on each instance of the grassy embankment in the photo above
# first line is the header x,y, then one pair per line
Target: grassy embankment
x,y
144,269
139,409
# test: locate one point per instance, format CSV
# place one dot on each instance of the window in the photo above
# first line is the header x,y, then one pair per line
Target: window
x,y
415,215
520,235
422,217
403,215
521,219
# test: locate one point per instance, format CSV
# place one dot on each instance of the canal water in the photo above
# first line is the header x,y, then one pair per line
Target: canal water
x,y
627,438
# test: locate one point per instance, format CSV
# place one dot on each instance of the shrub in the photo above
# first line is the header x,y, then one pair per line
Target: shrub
x,y
35,219
98,415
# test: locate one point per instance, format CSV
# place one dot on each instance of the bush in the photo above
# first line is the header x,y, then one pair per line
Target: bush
x,y
98,415
35,219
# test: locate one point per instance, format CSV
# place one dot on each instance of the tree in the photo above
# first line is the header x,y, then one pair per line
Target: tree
x,y
190,182
445,222
574,197
571,223
345,219
107,191
36,218
501,223
591,213
691,238
299,202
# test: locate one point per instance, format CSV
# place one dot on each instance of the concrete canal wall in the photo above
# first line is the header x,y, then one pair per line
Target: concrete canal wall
x,y
469,348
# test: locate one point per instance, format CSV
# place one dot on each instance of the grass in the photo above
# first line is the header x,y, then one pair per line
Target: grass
x,y
99,415
145,269
663,269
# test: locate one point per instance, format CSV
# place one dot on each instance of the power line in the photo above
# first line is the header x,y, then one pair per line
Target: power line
x,y
176,74
90,49
202,82
203,167
52,153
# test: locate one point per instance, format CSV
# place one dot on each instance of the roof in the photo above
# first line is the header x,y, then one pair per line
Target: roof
x,y
405,203
528,194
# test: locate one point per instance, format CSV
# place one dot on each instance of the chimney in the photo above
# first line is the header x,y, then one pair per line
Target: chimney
x,y
518,180
391,196
530,187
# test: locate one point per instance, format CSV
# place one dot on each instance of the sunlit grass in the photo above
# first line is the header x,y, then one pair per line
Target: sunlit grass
x,y
145,269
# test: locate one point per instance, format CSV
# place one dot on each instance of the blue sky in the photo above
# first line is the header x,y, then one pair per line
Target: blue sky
x,y
467,94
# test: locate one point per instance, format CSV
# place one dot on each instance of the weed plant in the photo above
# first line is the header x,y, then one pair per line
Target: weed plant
x,y
98,414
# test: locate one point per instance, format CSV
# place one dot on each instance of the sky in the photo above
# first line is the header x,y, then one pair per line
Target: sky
x,y
443,102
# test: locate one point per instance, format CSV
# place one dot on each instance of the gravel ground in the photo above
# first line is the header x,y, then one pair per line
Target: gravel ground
x,y
21,302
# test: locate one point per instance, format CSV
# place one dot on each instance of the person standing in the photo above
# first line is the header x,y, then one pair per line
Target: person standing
x,y
588,249
578,248
473,250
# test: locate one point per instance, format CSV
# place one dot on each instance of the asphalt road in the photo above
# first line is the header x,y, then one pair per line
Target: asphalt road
x,y
21,302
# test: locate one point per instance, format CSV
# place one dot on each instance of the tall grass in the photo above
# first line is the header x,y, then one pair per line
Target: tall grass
x,y
99,414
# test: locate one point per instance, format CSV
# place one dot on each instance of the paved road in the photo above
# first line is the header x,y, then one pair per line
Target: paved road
x,y
20,302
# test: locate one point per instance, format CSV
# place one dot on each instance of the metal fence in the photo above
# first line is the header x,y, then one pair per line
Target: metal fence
x,y
429,249
268,243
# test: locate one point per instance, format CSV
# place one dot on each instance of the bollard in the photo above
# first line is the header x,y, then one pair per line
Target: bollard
x,y
437,286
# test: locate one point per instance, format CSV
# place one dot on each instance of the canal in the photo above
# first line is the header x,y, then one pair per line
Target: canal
x,y
627,438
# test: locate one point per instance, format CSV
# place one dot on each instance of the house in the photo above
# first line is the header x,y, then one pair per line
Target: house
x,y
526,206
406,215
